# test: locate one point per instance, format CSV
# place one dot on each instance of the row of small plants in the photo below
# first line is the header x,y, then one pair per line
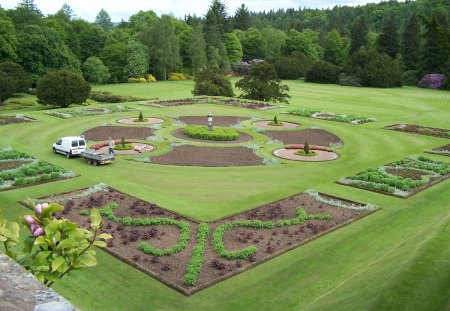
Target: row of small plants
x,y
422,130
7,153
217,134
357,207
108,97
108,212
345,118
212,100
244,253
443,150
379,179
196,262
101,187
83,112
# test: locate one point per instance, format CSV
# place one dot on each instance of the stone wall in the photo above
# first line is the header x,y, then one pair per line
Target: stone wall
x,y
21,291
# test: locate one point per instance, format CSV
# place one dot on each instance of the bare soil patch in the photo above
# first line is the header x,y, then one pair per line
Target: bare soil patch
x,y
321,156
314,136
219,120
265,124
421,130
9,165
406,173
208,156
171,269
150,120
117,132
5,120
242,138
324,115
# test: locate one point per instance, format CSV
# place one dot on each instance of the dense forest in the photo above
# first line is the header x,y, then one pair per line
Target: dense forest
x,y
386,44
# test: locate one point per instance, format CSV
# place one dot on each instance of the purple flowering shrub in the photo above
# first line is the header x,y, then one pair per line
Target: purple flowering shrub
x,y
432,81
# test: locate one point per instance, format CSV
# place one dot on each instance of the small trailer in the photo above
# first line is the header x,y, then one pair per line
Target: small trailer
x,y
92,157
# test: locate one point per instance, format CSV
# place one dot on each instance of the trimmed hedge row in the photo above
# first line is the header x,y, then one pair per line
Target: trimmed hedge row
x,y
196,262
217,134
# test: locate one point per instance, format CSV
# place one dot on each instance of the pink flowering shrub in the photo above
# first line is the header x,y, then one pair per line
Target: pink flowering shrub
x,y
432,81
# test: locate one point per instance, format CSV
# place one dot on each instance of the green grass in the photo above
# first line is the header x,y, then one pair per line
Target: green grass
x,y
395,259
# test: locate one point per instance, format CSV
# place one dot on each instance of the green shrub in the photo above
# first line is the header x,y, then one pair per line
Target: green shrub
x,y
349,80
411,77
322,72
84,212
217,134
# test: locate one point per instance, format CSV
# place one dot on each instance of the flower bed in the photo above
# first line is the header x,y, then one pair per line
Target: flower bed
x,y
312,147
217,133
211,100
18,118
402,178
190,256
83,112
421,130
18,169
318,114
442,150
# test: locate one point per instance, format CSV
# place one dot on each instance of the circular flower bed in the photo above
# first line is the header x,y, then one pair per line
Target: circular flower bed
x,y
130,148
147,120
217,134
297,153
271,124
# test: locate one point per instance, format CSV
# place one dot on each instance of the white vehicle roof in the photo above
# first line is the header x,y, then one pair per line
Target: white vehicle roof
x,y
72,137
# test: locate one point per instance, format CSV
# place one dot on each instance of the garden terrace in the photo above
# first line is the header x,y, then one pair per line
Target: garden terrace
x,y
18,169
5,120
84,112
330,116
189,256
421,130
402,178
217,121
208,156
442,150
117,132
314,136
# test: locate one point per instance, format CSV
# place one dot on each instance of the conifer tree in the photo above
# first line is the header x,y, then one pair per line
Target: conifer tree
x,y
387,41
411,44
241,18
359,33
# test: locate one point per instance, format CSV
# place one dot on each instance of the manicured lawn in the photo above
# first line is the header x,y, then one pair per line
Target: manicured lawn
x,y
395,259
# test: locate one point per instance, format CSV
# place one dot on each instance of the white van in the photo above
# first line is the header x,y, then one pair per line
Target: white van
x,y
70,146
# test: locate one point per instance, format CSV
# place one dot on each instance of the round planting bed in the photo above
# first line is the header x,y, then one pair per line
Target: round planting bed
x,y
314,137
242,138
266,124
137,148
208,156
321,156
117,132
217,121
150,121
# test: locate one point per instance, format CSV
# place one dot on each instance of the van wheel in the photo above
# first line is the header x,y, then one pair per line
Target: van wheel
x,y
68,154
95,163
54,150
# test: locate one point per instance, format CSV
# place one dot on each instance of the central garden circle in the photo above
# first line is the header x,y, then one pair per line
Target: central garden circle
x,y
180,133
321,155
282,124
135,121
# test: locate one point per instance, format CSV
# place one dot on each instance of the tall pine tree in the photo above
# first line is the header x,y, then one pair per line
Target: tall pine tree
x,y
411,44
197,49
215,26
387,41
359,33
241,18
103,20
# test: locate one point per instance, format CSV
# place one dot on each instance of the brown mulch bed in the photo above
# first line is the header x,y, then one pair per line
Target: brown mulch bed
x,y
265,124
5,120
171,269
208,156
324,115
406,173
219,120
117,132
441,148
242,138
314,137
9,165
421,130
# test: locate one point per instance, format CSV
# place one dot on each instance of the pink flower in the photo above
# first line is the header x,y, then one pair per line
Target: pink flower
x,y
29,219
40,207
36,230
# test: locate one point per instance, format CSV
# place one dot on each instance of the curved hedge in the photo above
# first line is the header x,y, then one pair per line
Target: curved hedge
x,y
196,262
217,134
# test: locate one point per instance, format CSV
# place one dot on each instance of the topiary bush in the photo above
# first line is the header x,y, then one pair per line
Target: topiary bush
x,y
323,72
217,134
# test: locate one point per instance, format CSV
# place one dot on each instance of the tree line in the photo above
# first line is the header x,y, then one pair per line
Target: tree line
x,y
356,45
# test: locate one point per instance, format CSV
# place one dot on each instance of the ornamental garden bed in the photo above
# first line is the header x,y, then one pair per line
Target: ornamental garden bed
x,y
18,118
282,124
134,148
442,150
313,136
330,116
256,105
146,121
217,121
190,256
316,154
18,169
84,112
421,130
402,178
117,132
180,133
208,156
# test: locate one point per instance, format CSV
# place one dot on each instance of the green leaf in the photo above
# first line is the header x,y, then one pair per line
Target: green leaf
x,y
99,243
53,207
41,257
28,244
105,236
58,262
6,232
67,243
87,260
96,218
2,238
41,240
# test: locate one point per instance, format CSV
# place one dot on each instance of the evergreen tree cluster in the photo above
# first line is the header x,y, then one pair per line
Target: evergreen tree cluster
x,y
411,37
